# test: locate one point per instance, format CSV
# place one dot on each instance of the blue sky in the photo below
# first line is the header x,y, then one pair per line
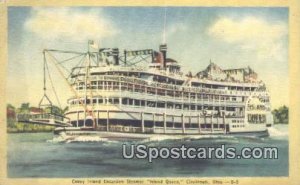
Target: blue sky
x,y
230,37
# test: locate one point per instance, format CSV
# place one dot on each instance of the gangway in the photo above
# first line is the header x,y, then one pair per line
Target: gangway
x,y
45,119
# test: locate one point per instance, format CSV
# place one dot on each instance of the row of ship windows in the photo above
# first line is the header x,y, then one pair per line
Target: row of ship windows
x,y
257,118
205,97
145,103
237,121
151,90
237,126
137,80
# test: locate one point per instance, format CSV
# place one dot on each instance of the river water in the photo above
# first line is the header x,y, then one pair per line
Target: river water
x,y
43,155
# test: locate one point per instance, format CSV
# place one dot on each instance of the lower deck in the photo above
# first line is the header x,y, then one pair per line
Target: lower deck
x,y
153,133
135,126
138,120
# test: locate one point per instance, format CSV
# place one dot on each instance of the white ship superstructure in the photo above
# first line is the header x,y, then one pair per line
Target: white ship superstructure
x,y
112,94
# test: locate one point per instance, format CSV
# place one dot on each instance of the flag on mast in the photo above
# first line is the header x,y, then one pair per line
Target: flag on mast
x,y
93,44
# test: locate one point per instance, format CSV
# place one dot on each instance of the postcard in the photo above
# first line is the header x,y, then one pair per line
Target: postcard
x,y
157,93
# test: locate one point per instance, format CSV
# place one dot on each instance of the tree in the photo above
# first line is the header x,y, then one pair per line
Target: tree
x,y
10,112
10,115
65,109
281,115
24,108
10,106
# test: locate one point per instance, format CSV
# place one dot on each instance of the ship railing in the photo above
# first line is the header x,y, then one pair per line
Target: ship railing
x,y
188,122
163,98
121,128
152,83
171,108
137,69
169,87
163,72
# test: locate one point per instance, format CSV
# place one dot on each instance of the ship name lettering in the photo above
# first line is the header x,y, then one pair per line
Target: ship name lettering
x,y
217,182
156,181
94,181
168,181
113,181
75,181
197,182
135,181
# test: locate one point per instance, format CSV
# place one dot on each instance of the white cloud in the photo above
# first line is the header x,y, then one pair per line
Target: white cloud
x,y
262,44
175,28
251,33
66,23
246,29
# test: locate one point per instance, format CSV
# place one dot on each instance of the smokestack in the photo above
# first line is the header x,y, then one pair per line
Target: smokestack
x,y
115,54
163,50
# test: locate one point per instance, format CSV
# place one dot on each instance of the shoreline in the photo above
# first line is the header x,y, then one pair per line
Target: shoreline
x,y
19,127
21,132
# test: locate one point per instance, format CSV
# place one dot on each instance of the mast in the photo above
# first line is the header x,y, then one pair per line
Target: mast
x,y
44,72
44,68
125,57
88,84
163,46
86,81
45,87
85,89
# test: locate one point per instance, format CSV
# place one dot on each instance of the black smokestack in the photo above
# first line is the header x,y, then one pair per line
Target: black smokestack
x,y
115,54
163,50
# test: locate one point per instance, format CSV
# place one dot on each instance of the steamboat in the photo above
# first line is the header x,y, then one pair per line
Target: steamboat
x,y
143,92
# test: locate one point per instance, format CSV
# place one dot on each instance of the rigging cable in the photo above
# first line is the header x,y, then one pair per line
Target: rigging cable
x,y
143,59
91,92
51,82
78,64
45,89
68,59
53,59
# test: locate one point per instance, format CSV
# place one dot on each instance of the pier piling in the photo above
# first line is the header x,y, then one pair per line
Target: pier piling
x,y
212,123
107,122
143,122
165,122
199,124
182,122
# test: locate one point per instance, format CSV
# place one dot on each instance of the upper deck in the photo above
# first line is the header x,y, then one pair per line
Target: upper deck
x,y
161,76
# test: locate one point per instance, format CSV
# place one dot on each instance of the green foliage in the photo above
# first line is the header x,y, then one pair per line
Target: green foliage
x,y
14,127
11,123
10,106
25,127
65,109
281,115
56,110
24,108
